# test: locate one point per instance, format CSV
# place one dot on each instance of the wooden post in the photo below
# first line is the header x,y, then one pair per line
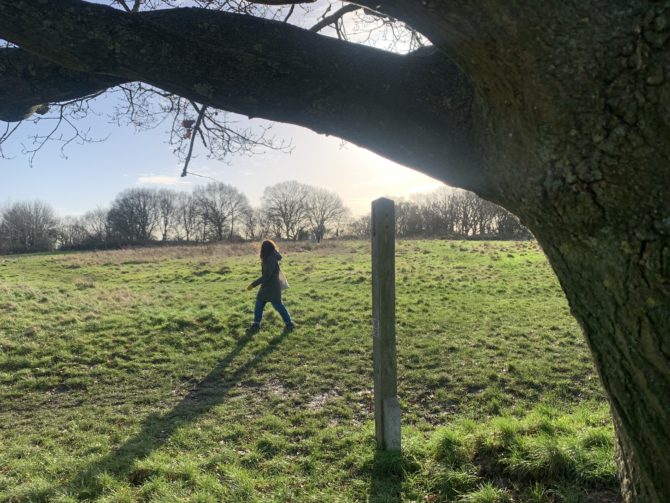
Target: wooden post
x,y
387,408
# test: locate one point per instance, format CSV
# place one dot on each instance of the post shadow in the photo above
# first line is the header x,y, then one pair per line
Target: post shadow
x,y
157,428
387,472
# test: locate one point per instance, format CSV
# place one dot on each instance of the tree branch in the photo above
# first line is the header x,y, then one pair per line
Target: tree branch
x,y
281,2
26,82
334,17
416,109
124,5
194,134
289,13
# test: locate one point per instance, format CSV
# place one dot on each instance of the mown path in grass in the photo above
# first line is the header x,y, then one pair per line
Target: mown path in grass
x,y
129,376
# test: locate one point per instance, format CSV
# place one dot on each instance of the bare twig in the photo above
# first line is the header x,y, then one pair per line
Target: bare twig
x,y
201,114
281,2
334,17
199,130
10,129
64,131
204,176
124,5
289,14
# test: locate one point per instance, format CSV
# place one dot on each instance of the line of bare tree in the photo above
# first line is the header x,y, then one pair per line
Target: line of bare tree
x,y
452,214
220,212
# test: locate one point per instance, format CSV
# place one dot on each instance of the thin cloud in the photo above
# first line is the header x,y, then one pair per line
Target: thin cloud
x,y
162,180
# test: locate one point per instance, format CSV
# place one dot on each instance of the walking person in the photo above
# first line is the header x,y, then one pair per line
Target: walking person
x,y
271,286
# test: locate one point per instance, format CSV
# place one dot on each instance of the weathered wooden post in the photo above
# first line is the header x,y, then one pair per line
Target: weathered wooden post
x,y
387,408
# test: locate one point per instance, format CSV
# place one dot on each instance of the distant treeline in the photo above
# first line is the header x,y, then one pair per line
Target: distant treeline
x,y
219,212
451,214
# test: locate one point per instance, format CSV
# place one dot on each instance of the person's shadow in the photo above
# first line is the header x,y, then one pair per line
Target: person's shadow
x,y
157,428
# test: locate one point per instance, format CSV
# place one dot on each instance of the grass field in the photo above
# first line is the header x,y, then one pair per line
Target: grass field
x,y
129,376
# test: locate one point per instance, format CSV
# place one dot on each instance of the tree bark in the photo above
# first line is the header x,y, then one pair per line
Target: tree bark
x,y
619,291
557,110
581,152
28,81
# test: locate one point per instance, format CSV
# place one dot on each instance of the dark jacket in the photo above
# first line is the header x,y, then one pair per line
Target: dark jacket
x,y
270,290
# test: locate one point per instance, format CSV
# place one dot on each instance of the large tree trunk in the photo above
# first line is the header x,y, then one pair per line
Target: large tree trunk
x,y
580,152
619,290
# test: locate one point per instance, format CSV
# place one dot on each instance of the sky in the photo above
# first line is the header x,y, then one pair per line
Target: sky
x,y
92,174
89,176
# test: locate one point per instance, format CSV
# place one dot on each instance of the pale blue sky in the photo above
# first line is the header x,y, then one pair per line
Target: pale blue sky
x,y
94,173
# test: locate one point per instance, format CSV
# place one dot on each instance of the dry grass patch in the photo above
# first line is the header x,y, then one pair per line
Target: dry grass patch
x,y
206,254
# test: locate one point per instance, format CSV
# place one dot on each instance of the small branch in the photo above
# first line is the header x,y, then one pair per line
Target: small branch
x,y
68,112
290,13
281,2
123,4
204,176
334,17
10,129
127,8
199,130
201,114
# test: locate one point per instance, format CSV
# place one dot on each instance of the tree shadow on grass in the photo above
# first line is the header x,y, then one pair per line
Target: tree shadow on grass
x,y
157,428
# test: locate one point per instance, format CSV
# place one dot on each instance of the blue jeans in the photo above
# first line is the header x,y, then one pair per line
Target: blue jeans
x,y
279,307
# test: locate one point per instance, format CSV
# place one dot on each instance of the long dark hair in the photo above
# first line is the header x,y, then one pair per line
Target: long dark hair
x,y
267,248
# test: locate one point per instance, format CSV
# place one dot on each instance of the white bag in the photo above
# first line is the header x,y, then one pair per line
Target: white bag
x,y
283,282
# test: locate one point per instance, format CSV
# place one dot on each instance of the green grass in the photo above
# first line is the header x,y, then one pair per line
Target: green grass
x,y
129,376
